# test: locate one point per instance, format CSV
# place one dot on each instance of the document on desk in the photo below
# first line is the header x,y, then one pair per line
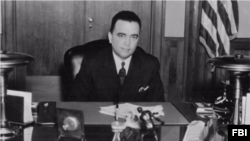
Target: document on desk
x,y
22,107
127,108
247,113
194,131
27,133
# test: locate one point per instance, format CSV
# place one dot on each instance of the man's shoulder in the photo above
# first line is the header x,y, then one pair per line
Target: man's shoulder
x,y
144,56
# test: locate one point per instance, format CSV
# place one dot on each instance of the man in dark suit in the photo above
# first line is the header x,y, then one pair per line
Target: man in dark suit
x,y
122,72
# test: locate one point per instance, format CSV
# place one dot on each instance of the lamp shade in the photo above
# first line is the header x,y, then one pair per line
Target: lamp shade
x,y
10,60
237,62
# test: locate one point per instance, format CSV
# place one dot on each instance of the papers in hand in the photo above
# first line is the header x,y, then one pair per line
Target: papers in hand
x,y
126,109
27,114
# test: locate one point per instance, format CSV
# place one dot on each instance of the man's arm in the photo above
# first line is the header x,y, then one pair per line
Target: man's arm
x,y
82,85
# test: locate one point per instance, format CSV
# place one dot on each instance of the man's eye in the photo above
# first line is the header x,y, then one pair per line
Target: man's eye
x,y
135,37
120,35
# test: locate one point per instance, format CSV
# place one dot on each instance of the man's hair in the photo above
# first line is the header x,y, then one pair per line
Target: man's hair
x,y
125,16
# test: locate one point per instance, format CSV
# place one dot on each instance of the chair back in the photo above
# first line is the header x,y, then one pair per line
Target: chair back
x,y
73,57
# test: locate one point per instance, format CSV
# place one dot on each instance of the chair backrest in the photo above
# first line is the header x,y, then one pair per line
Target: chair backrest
x,y
73,57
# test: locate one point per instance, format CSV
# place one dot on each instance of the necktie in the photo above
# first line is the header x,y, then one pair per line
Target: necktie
x,y
122,73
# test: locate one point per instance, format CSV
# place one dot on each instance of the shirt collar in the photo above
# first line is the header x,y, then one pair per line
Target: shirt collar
x,y
118,62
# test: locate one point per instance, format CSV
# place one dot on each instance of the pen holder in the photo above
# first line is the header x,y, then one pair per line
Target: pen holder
x,y
122,132
131,134
117,128
126,131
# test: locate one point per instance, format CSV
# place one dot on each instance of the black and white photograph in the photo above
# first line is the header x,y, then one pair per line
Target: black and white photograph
x,y
124,70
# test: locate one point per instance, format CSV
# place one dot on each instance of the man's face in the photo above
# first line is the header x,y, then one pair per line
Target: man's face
x,y
124,38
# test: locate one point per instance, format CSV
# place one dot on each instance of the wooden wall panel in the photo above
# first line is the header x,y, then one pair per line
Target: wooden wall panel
x,y
1,42
48,88
172,62
191,50
46,29
9,43
240,46
8,30
157,28
165,63
180,66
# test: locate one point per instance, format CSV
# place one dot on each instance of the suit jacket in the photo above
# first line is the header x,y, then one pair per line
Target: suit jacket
x,y
98,80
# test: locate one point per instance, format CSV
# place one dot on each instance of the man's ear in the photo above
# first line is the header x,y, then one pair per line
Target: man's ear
x,y
110,37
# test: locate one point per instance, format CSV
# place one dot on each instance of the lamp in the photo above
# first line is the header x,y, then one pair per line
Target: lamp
x,y
239,67
7,63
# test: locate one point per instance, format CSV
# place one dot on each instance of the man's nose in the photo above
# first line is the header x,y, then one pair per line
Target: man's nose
x,y
127,41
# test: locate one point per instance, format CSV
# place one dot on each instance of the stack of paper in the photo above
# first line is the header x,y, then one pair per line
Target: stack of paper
x,y
207,112
126,109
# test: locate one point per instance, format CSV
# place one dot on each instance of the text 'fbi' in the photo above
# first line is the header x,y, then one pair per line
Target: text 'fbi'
x,y
238,132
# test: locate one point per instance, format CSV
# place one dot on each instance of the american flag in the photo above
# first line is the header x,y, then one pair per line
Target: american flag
x,y
219,25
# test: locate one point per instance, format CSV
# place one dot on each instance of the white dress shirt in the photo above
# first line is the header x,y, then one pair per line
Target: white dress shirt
x,y
118,63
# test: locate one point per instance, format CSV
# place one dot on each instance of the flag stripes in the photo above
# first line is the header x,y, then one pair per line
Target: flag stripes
x,y
219,25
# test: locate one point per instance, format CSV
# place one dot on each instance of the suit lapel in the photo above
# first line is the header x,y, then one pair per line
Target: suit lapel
x,y
108,63
108,68
132,78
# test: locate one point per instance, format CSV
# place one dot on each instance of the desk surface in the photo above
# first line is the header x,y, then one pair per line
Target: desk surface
x,y
92,116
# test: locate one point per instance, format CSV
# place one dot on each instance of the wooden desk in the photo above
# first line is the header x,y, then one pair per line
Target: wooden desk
x,y
174,120
91,109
